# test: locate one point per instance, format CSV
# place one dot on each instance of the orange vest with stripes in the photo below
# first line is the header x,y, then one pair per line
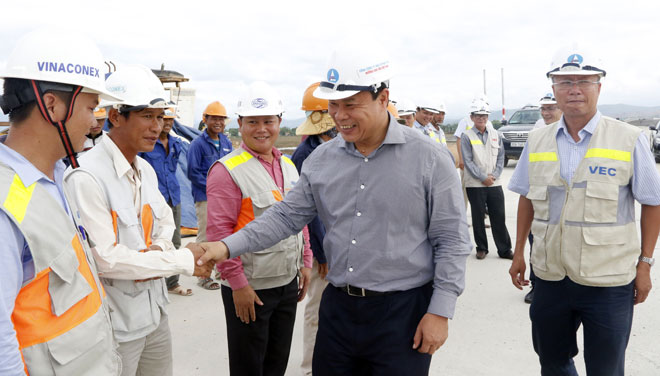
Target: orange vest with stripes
x,y
278,265
60,318
135,307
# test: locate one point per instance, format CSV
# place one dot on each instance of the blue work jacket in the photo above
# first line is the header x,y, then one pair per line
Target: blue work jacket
x,y
165,166
201,155
315,227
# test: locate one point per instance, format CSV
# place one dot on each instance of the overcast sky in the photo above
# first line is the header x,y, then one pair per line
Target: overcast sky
x,y
439,48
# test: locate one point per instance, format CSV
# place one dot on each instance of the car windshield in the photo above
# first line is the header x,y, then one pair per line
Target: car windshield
x,y
525,117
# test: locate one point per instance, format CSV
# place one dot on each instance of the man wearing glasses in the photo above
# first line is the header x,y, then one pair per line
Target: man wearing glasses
x,y
550,113
483,156
578,180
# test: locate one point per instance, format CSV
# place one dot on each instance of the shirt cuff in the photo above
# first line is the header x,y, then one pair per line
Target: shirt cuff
x,y
442,303
185,260
237,244
238,281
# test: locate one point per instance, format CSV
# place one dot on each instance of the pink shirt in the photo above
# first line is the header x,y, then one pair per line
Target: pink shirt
x,y
224,205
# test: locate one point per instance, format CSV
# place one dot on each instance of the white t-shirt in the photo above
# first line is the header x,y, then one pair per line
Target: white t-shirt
x,y
465,124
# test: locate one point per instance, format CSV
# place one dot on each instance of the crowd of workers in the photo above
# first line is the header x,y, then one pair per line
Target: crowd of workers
x,y
90,252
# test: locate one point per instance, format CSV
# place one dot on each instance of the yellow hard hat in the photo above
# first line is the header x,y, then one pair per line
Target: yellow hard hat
x,y
312,103
215,109
316,123
392,110
100,113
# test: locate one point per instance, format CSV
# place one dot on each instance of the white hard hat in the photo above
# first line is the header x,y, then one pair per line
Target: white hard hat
x,y
441,106
574,60
260,99
478,101
138,86
352,70
59,56
428,105
480,107
406,107
547,99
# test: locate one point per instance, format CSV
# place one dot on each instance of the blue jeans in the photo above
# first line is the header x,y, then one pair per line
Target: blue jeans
x,y
558,310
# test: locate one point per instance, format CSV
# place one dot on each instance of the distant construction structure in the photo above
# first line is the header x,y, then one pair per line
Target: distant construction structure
x,y
184,97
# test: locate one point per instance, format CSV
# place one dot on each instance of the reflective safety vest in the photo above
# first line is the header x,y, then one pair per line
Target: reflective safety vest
x,y
484,156
61,321
585,230
135,307
278,265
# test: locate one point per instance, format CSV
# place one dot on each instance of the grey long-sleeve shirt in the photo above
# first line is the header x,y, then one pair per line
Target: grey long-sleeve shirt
x,y
468,159
395,220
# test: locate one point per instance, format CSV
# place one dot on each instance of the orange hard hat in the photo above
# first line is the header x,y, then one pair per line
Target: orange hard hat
x,y
310,102
215,109
392,110
169,113
100,113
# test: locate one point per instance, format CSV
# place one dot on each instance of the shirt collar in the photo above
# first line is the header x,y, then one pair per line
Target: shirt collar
x,y
589,128
25,170
121,165
394,135
276,153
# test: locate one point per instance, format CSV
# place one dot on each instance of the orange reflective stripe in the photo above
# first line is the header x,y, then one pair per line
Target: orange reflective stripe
x,y
147,219
277,195
246,215
114,225
33,318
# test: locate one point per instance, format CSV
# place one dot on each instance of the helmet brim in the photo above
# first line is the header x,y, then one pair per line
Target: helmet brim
x,y
329,94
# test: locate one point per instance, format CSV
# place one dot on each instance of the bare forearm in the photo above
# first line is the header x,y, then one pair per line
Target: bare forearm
x,y
650,226
524,222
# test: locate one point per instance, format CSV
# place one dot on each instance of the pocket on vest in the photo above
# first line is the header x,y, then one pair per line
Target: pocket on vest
x,y
124,306
273,262
538,194
75,350
66,285
606,251
601,202
539,257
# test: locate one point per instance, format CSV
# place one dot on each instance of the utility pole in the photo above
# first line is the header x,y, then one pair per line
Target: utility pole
x,y
503,108
485,82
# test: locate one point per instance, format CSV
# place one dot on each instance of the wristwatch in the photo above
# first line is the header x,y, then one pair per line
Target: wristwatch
x,y
648,260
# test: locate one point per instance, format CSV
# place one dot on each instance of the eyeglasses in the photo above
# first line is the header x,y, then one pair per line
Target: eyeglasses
x,y
480,116
567,85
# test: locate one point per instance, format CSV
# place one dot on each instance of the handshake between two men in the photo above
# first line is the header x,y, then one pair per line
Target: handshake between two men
x,y
206,255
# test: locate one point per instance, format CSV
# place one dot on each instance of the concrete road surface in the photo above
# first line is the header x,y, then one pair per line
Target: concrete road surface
x,y
489,335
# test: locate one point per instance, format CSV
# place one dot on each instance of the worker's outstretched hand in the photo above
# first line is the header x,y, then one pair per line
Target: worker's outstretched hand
x,y
203,269
215,251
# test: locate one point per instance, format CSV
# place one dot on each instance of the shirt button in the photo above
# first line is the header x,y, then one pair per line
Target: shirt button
x,y
350,269
361,186
359,214
366,159
353,241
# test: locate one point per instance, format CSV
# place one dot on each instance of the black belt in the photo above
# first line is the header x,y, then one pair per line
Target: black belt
x,y
358,291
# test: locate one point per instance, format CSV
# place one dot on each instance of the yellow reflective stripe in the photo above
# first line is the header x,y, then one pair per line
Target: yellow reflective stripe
x,y
232,162
476,142
444,140
18,198
549,156
287,160
617,155
468,128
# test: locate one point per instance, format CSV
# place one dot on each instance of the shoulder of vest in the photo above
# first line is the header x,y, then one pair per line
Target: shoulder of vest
x,y
287,160
625,127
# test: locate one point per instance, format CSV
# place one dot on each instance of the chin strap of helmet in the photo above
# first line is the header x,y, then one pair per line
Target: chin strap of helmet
x,y
59,125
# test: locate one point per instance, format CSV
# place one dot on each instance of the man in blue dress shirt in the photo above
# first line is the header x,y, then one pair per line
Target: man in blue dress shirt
x,y
396,232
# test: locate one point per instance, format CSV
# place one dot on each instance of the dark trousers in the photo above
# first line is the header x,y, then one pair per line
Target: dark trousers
x,y
262,346
479,197
370,335
173,280
558,310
